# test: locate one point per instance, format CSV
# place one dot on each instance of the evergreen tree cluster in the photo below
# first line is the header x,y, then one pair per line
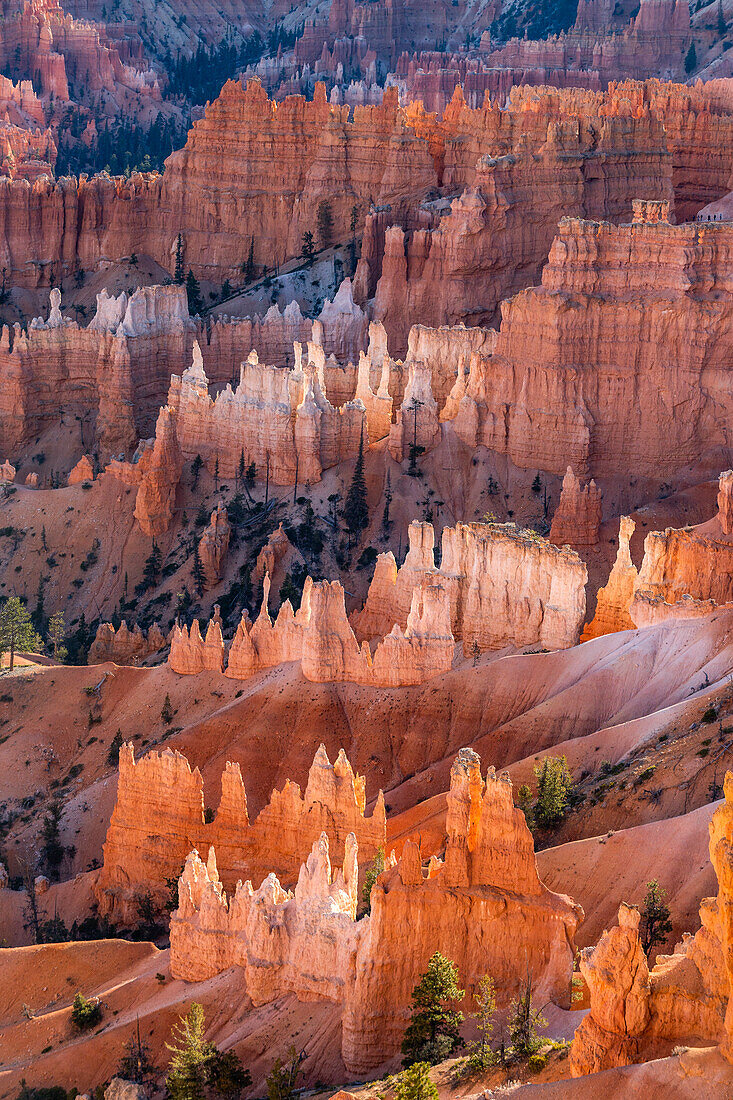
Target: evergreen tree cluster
x,y
121,147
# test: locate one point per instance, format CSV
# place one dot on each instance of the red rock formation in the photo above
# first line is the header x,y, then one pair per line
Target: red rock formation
x,y
540,397
214,544
577,518
299,153
725,502
58,367
612,606
124,646
485,908
636,1013
311,955
505,586
156,470
83,471
159,817
7,471
320,637
280,419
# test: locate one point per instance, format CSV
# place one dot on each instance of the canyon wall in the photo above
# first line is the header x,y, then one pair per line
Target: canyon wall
x,y
159,817
586,366
637,1014
483,906
505,586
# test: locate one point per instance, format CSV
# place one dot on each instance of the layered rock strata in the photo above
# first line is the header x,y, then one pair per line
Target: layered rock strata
x,y
613,600
484,907
585,367
636,1013
279,419
214,544
156,469
159,817
505,586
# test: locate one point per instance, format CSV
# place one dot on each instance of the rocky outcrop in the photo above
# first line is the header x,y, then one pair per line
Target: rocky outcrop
x,y
214,544
614,599
279,419
725,502
636,1013
159,817
191,654
577,518
83,471
309,956
156,469
484,907
505,586
125,646
7,471
318,635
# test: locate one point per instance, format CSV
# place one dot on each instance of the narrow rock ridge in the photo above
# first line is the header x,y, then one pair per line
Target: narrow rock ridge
x,y
505,586
319,635
159,816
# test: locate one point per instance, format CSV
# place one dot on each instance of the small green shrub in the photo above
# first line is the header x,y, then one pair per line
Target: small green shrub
x,y
85,1013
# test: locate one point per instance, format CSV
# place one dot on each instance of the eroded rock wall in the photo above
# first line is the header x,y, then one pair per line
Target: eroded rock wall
x,y
159,817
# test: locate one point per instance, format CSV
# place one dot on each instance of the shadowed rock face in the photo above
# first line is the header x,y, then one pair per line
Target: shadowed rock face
x,y
484,907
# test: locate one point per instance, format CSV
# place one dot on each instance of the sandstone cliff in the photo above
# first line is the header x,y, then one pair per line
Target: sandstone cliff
x,y
577,518
156,469
124,646
540,398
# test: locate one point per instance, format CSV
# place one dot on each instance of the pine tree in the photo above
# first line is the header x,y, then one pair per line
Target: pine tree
x,y
135,1064
655,922
241,467
190,1057
113,754
249,267
216,474
43,539
39,615
481,1055
17,634
199,577
371,875
356,508
691,58
152,567
325,223
56,635
554,790
53,849
196,467
524,1020
167,712
178,270
415,1083
193,293
283,1076
386,521
433,1032
309,248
